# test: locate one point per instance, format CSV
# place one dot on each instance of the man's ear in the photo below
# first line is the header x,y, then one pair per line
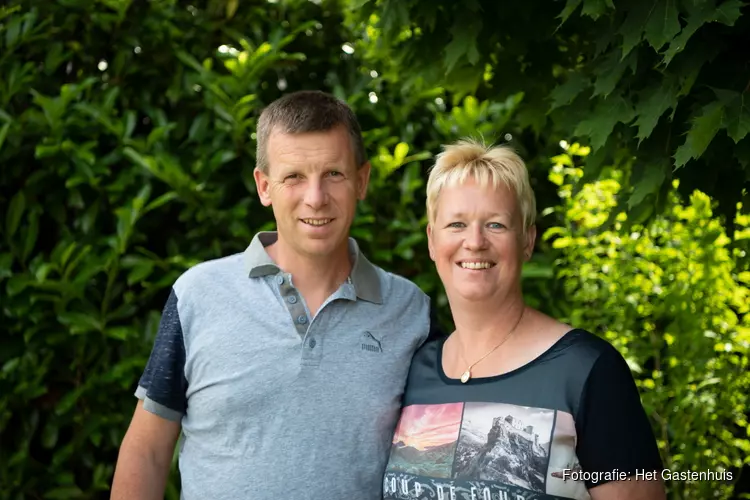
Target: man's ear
x,y
363,180
429,242
263,183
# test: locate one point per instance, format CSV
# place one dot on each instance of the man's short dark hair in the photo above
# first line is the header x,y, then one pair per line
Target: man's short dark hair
x,y
307,111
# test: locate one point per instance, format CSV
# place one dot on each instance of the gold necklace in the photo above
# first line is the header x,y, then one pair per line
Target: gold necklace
x,y
466,376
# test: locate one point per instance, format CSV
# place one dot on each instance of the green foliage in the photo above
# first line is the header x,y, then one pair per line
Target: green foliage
x,y
128,162
125,165
671,299
664,79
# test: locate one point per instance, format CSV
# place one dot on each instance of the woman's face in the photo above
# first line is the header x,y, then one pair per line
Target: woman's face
x,y
477,241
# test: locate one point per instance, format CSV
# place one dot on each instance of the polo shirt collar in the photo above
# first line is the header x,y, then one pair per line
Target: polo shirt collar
x,y
364,276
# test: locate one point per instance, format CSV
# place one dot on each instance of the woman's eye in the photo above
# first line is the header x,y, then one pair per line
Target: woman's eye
x,y
456,224
496,225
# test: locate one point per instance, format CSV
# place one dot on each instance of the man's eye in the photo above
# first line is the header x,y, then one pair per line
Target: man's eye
x,y
292,177
335,173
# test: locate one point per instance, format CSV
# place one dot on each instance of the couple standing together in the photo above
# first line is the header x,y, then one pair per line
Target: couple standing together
x,y
299,370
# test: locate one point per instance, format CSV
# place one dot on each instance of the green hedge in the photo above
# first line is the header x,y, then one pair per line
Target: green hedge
x,y
127,149
674,302
126,139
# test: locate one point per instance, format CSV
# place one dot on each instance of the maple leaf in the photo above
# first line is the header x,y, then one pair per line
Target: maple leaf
x,y
704,128
569,8
563,94
737,113
610,72
728,12
687,71
700,14
607,113
663,23
647,181
653,102
595,8
632,28
464,42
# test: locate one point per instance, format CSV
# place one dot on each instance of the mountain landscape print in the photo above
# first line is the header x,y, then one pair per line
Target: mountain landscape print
x,y
505,443
425,440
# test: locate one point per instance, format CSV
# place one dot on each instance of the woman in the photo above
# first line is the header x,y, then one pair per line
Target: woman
x,y
513,404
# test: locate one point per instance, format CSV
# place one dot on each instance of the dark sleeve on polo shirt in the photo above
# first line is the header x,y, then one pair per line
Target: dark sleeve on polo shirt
x,y
614,431
436,330
163,385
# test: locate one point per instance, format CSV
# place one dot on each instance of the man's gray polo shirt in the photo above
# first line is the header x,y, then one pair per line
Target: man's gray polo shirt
x,y
276,404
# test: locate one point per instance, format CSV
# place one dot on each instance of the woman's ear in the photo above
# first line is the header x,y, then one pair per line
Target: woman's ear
x,y
529,240
430,245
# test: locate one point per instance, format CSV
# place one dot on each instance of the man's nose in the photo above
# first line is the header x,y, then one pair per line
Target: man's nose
x,y
316,195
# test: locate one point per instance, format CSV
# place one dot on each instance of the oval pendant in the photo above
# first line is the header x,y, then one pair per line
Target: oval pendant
x,y
465,377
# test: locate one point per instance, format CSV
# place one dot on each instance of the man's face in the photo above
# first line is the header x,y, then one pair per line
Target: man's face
x,y
312,185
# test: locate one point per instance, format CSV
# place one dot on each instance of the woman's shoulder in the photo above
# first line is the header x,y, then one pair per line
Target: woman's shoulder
x,y
582,355
582,342
550,339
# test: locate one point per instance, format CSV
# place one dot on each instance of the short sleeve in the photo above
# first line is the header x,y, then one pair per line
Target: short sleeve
x,y
614,431
163,385
436,332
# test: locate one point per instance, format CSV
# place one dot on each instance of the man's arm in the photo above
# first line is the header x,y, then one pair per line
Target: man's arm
x,y
145,457
146,451
629,490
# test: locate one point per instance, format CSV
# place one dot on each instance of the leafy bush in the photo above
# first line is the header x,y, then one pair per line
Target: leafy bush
x,y
125,163
672,301
664,78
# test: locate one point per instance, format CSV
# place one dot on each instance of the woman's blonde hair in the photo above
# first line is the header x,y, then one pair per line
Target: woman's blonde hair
x,y
493,166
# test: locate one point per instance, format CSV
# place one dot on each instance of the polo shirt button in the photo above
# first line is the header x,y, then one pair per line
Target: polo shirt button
x,y
280,280
292,299
302,320
312,344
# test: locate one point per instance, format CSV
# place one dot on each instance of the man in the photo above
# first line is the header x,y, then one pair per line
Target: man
x,y
283,367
